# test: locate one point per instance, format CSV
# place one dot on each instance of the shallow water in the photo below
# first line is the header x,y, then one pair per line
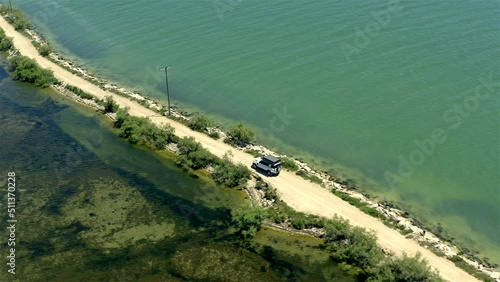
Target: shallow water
x,y
92,207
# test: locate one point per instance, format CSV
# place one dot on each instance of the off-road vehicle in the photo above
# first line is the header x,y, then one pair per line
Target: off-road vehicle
x,y
269,164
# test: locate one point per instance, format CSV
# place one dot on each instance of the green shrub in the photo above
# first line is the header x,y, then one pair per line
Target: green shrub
x,y
5,42
253,152
121,116
364,207
142,131
241,135
201,158
16,18
231,175
312,178
404,268
110,105
289,164
79,92
26,69
248,220
43,49
200,123
353,245
187,145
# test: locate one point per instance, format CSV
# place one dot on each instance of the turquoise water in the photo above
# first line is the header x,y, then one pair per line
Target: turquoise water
x,y
317,86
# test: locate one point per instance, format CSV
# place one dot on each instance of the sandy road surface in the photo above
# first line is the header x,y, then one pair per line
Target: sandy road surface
x,y
298,193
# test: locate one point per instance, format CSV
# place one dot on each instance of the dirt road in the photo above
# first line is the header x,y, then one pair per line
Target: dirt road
x,y
298,193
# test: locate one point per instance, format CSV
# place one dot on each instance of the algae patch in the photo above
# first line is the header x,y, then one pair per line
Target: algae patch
x,y
219,262
115,215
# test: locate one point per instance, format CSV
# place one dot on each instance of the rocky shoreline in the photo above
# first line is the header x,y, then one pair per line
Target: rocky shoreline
x,y
399,218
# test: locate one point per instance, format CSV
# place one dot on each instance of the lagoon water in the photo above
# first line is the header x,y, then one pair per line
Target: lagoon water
x,y
359,88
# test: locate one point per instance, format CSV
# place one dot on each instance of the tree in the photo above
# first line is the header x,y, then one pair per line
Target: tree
x,y
241,134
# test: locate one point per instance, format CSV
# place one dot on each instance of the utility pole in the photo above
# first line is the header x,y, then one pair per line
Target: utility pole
x,y
166,82
10,5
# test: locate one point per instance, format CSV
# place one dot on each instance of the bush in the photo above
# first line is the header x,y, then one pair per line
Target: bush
x,y
404,269
187,145
79,92
142,131
353,245
5,42
200,123
248,220
26,69
43,49
241,135
110,105
231,175
289,164
16,18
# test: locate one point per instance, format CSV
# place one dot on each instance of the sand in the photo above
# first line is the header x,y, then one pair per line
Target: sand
x,y
298,193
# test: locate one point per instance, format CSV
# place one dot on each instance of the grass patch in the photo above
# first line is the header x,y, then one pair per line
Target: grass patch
x,y
289,164
312,178
79,92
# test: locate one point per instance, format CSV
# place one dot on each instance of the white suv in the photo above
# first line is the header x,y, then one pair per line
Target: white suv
x,y
269,164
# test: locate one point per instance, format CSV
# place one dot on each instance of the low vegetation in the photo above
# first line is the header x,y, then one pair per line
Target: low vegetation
x,y
79,92
312,178
289,164
192,155
458,261
15,17
240,134
27,70
110,105
142,131
200,123
359,204
43,49
248,220
5,42
231,175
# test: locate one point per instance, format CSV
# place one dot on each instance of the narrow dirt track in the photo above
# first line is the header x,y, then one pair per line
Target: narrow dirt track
x,y
298,193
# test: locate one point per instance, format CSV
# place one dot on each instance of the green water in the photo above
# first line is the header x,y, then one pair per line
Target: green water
x,y
92,207
314,87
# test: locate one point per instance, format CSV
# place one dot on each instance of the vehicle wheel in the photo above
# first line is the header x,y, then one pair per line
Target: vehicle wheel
x,y
269,173
254,166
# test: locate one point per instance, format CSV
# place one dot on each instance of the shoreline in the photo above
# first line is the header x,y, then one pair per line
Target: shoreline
x,y
105,86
